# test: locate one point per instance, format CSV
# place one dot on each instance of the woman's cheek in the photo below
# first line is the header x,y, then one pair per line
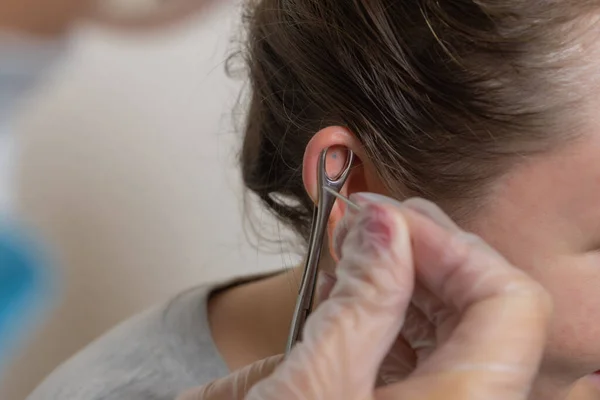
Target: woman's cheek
x,y
574,339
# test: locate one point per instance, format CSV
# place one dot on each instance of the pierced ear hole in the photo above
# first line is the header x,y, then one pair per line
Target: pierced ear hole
x,y
336,161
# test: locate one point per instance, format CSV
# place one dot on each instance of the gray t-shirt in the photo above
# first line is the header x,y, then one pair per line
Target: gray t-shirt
x,y
155,355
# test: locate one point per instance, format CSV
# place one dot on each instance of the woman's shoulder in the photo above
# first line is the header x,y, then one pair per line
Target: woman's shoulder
x,y
154,355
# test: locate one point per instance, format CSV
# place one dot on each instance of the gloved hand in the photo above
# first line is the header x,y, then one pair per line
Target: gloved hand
x,y
472,327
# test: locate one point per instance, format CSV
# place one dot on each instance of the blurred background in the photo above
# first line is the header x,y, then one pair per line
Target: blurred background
x,y
128,163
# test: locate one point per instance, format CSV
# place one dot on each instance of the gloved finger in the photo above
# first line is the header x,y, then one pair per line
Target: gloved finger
x,y
236,385
347,337
504,313
419,205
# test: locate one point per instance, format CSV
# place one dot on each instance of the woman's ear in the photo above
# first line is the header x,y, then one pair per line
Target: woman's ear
x,y
362,178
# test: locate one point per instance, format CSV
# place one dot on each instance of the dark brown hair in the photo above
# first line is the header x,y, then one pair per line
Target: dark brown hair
x,y
444,95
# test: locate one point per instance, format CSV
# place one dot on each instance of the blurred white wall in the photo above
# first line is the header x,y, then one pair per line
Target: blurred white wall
x,y
128,162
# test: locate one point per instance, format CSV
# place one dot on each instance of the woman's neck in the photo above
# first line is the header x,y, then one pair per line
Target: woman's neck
x,y
251,321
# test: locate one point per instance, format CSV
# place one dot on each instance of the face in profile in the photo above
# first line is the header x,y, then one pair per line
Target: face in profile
x,y
544,216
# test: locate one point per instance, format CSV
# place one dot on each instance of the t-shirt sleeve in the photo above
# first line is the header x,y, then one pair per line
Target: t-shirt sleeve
x,y
155,355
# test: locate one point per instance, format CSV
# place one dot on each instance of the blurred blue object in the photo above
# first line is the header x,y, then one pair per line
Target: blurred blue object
x,y
24,287
25,279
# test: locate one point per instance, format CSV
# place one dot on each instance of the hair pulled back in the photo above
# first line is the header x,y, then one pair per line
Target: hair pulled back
x,y
444,95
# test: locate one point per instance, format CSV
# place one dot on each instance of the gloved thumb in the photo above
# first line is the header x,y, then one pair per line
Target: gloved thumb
x,y
236,385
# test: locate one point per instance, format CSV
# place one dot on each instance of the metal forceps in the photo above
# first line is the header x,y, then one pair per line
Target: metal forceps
x,y
329,188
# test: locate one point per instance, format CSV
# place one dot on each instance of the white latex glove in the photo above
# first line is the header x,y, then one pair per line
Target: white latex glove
x,y
477,324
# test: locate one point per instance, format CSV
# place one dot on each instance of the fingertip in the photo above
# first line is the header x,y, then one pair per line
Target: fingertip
x,y
377,250
377,232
